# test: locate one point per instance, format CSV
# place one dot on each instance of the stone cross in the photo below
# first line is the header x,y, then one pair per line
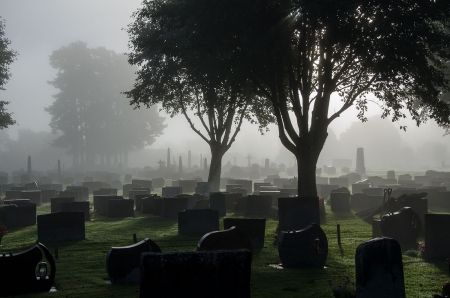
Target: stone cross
x,y
249,158
160,163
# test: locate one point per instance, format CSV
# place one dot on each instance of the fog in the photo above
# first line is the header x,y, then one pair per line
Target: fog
x,y
37,28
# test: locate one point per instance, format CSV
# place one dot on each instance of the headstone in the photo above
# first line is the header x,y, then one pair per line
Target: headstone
x,y
47,194
120,208
76,207
105,192
21,215
257,185
229,239
123,263
33,195
254,228
229,187
132,195
187,186
147,204
241,191
340,200
31,186
307,248
296,213
198,222
247,184
143,183
63,225
231,200
341,181
437,236
55,203
171,191
83,192
258,205
157,205
403,226
172,206
93,185
158,182
116,184
13,194
358,187
373,191
196,274
217,202
379,269
101,203
390,174
203,188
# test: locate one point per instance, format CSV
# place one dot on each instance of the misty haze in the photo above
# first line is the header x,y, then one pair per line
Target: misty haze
x,y
240,121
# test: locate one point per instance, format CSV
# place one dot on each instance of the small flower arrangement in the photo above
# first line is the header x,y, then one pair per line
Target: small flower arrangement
x,y
3,231
346,289
421,247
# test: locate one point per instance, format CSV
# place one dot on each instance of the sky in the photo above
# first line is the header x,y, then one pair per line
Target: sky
x,y
37,28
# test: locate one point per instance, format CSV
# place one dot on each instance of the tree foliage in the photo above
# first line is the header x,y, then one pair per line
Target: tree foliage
x,y
7,56
89,109
178,71
302,55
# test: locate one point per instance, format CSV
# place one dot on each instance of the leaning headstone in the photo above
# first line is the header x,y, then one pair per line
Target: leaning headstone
x,y
198,222
230,239
437,236
217,202
307,248
120,208
63,225
123,263
255,228
196,274
379,269
296,213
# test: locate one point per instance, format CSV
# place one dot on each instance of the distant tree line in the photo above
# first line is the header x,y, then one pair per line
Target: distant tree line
x,y
95,121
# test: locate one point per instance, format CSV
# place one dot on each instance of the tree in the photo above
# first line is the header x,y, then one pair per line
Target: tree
x,y
185,77
301,55
7,56
89,110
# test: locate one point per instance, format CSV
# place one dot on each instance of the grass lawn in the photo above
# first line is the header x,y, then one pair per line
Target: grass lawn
x,y
81,267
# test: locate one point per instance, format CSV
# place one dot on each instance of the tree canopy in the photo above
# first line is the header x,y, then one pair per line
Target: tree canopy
x,y
302,55
7,56
190,79
89,109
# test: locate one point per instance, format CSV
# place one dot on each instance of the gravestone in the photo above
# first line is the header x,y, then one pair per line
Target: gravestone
x,y
257,185
375,181
307,248
55,203
13,194
353,178
143,183
172,206
324,190
229,187
47,194
203,188
196,274
198,222
390,174
360,166
83,191
138,201
258,205
63,225
340,200
437,236
105,192
229,239
358,187
296,213
22,215
231,200
322,180
76,207
171,191
187,186
158,182
33,195
403,225
241,191
247,184
72,193
20,202
120,208
157,205
101,203
127,187
93,185
31,186
134,192
254,228
123,263
341,181
379,269
116,184
217,202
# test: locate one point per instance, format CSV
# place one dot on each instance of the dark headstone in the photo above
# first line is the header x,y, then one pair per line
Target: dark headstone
x,y
123,263
77,194
403,226
258,205
63,225
33,195
172,206
47,194
157,206
196,274
217,202
83,192
198,222
158,182
379,269
138,201
391,174
230,239
101,203
13,195
296,213
76,207
254,228
340,201
144,183
203,188
437,236
55,203
21,215
231,200
171,191
120,208
105,192
93,185
307,248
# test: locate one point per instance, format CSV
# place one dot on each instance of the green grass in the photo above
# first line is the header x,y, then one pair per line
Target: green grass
x,y
81,267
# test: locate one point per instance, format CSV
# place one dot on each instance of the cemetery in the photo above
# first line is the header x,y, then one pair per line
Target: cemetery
x,y
273,246
154,181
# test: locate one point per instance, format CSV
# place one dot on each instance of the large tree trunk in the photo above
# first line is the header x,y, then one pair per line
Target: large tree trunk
x,y
215,167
